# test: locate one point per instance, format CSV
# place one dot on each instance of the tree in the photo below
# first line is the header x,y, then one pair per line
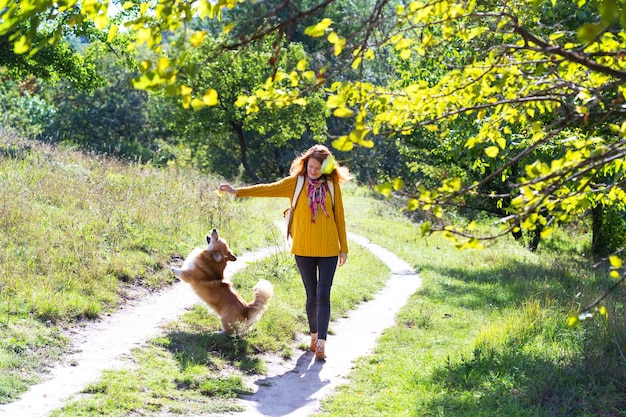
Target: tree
x,y
223,134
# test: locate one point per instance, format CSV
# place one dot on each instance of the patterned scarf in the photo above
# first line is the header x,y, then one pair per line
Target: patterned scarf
x,y
317,196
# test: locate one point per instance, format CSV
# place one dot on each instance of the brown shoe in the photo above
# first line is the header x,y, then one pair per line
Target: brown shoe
x,y
320,352
313,345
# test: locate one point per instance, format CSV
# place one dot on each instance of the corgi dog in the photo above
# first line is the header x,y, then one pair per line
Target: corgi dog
x,y
204,268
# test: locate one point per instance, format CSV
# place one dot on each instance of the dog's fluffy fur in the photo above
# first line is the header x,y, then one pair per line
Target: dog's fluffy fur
x,y
204,268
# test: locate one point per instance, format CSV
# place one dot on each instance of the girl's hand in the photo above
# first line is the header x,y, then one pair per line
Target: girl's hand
x,y
228,188
343,257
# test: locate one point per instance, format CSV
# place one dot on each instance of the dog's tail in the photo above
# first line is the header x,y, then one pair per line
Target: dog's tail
x,y
263,291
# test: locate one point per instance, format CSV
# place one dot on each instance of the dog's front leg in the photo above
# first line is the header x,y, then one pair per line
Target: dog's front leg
x,y
177,272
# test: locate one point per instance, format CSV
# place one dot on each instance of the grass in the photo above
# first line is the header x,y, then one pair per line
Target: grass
x,y
486,335
82,233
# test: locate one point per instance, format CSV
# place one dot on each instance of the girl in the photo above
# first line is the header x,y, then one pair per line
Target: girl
x,y
318,230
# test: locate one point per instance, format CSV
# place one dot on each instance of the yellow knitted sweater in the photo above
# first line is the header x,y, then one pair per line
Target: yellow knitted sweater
x,y
324,238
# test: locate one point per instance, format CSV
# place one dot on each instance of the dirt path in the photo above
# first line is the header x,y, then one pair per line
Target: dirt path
x,y
104,344
290,388
296,387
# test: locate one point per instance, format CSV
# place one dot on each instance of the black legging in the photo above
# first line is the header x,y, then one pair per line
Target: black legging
x,y
317,276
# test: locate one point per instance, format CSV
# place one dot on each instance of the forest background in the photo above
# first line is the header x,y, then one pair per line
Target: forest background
x,y
480,119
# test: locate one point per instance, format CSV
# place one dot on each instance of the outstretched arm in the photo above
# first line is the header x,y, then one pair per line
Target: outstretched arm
x,y
228,189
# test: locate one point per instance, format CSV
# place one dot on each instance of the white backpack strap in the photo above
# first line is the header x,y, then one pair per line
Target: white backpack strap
x,y
331,187
297,190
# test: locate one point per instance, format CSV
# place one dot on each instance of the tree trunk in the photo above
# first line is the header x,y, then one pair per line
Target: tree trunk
x,y
534,243
243,153
597,222
518,235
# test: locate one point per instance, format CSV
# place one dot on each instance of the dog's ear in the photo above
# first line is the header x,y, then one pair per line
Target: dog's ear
x,y
208,239
231,256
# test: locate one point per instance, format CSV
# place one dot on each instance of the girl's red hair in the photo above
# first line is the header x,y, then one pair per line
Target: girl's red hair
x,y
320,153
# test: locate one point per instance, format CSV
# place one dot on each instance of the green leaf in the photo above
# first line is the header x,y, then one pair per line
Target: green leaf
x,y
589,31
328,165
385,189
609,11
343,144
425,228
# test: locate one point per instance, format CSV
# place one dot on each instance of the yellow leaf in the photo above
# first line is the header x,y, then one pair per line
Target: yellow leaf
x,y
112,33
328,165
228,28
398,183
197,38
143,35
295,78
341,42
185,90
186,101
405,54
210,97
197,104
343,144
241,101
357,135
615,261
547,231
492,151
572,321
472,226
334,101
302,65
333,37
163,64
101,21
318,30
21,45
343,112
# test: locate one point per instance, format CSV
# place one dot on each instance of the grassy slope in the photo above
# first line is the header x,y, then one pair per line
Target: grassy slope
x,y
79,234
487,335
